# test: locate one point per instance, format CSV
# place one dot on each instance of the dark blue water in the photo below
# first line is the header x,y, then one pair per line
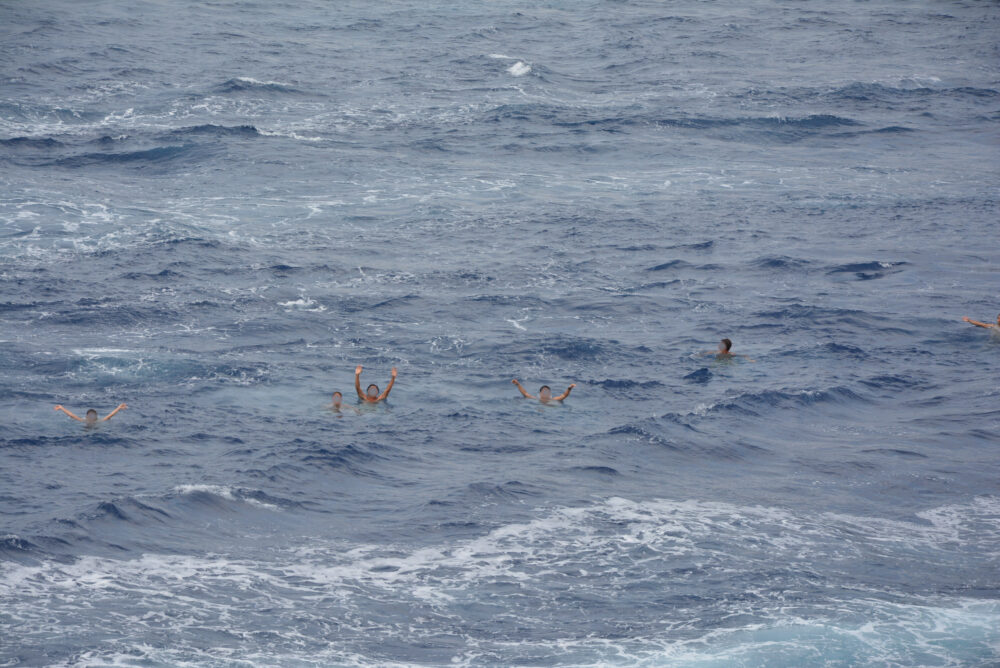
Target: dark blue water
x,y
214,211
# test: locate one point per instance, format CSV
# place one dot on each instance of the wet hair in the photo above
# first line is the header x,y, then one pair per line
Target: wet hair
x,y
727,343
338,394
544,387
369,389
92,412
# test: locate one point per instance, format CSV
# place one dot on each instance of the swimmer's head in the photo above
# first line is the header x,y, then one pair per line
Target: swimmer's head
x,y
337,398
544,393
91,416
725,345
372,391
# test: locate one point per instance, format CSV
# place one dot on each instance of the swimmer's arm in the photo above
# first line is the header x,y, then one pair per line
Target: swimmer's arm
x,y
392,381
523,391
357,384
746,357
564,394
112,413
60,408
975,322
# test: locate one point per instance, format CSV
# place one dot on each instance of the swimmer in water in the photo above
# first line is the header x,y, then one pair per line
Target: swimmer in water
x,y
544,392
723,351
983,324
337,403
91,419
371,395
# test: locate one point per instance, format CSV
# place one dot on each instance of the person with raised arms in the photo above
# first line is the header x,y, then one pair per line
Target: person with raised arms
x,y
544,392
371,395
91,419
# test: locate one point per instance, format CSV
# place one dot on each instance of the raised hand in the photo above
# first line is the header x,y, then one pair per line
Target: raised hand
x,y
357,372
520,388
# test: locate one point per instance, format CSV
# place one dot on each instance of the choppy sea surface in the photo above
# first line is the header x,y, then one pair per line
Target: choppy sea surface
x,y
213,211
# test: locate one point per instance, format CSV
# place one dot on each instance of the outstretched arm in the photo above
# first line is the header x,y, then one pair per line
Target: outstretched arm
x,y
523,391
975,322
357,383
392,381
112,413
746,357
60,408
564,394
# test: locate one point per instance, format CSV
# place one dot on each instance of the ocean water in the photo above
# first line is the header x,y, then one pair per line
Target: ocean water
x,y
213,211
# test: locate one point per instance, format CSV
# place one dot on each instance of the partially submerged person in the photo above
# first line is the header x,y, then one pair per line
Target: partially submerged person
x,y
371,394
982,324
544,392
91,415
337,403
338,399
722,353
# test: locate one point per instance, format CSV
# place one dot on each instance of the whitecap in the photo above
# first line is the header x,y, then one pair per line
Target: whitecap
x,y
290,134
97,352
665,542
224,492
256,82
217,490
303,304
519,69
